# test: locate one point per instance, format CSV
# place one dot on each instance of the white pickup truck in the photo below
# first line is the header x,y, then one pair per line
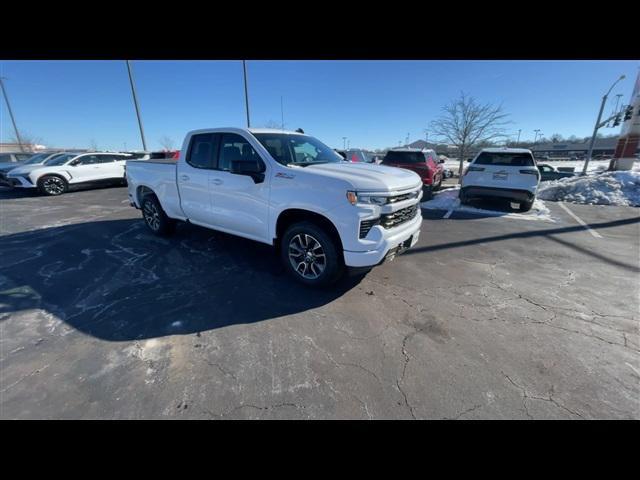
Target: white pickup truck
x,y
285,189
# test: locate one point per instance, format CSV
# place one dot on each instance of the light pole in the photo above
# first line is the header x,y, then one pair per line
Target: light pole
x,y
519,130
282,113
597,126
135,103
6,99
344,143
535,139
246,92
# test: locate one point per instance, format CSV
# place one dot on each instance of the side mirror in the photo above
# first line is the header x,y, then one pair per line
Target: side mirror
x,y
250,168
469,159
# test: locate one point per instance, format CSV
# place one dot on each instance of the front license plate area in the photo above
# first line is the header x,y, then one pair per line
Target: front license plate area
x,y
404,246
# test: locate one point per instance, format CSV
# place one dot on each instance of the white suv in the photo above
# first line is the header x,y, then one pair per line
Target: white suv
x,y
509,173
56,175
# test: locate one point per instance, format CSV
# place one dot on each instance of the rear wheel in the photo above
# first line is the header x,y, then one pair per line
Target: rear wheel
x,y
155,218
52,185
525,206
310,255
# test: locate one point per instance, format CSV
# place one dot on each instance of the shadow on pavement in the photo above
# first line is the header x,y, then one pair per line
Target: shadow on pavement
x,y
548,233
115,281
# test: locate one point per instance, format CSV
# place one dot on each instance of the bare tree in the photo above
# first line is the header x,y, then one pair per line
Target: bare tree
x,y
93,145
465,124
556,137
27,140
166,142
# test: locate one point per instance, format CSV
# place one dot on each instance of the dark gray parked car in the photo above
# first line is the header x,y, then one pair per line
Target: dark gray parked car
x,y
547,172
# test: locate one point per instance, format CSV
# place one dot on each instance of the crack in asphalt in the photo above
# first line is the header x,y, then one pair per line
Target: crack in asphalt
x,y
526,395
404,369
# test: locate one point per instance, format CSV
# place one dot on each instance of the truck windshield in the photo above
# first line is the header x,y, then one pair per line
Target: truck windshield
x,y
302,150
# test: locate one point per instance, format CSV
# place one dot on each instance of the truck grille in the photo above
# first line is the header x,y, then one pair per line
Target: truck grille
x,y
366,225
390,220
404,196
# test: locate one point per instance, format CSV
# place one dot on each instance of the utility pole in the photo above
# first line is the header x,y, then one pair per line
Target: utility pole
x,y
135,103
6,99
282,112
246,92
598,125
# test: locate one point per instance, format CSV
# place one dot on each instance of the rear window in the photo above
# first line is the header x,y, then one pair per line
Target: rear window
x,y
404,157
505,159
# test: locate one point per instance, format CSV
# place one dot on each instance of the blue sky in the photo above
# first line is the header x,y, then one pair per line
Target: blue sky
x,y
373,103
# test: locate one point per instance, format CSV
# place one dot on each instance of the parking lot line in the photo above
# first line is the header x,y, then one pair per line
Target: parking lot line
x,y
579,220
448,214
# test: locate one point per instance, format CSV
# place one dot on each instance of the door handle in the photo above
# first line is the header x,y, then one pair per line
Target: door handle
x,y
217,181
184,178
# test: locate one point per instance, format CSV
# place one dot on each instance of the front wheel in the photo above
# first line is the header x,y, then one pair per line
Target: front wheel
x,y
52,185
310,255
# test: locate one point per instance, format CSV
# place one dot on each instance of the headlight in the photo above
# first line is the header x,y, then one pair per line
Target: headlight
x,y
354,198
373,200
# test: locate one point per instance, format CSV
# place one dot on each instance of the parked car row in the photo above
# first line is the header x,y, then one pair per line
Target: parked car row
x,y
54,173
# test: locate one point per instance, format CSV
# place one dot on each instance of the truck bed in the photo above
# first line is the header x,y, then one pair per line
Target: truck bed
x,y
158,175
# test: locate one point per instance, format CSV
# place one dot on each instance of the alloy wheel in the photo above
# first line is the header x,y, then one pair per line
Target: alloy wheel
x,y
307,256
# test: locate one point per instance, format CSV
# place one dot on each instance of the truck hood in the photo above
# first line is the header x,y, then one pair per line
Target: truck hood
x,y
368,177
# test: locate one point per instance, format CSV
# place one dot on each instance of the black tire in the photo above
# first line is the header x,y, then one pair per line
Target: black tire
x,y
52,185
525,206
427,193
312,271
154,217
464,200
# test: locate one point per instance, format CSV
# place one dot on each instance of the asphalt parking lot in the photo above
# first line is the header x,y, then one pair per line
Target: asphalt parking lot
x,y
490,317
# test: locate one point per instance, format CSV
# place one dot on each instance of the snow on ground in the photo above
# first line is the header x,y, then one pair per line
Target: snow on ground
x,y
609,188
448,200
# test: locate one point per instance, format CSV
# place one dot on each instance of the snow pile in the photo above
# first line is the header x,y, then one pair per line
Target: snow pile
x,y
448,200
609,188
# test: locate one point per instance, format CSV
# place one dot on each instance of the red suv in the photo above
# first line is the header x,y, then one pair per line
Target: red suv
x,y
424,162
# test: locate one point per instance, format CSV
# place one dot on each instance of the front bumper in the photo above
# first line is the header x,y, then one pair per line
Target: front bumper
x,y
20,182
393,238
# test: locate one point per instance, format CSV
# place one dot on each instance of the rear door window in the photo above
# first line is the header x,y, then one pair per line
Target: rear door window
x,y
505,159
203,150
